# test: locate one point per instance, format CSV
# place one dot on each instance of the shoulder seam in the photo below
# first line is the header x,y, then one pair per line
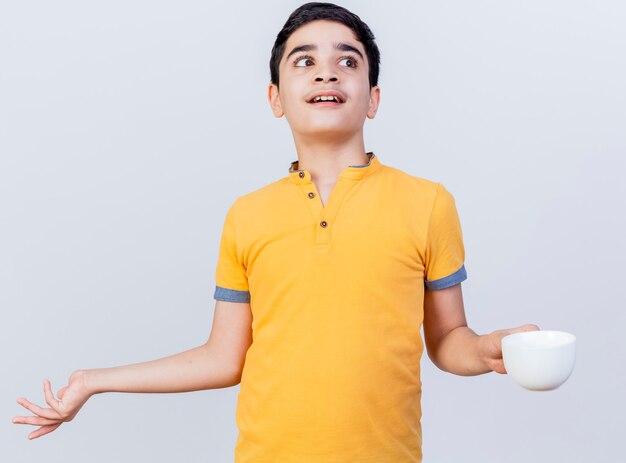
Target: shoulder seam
x,y
430,216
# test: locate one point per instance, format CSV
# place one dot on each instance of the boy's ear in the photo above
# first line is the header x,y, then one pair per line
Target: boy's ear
x,y
274,98
374,102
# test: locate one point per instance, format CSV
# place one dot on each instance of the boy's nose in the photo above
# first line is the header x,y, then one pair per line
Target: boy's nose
x,y
326,71
330,79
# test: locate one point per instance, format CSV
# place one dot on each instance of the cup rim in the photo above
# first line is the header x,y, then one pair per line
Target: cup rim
x,y
566,338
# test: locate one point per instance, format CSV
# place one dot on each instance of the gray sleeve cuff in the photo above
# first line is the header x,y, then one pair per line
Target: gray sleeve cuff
x,y
231,295
445,282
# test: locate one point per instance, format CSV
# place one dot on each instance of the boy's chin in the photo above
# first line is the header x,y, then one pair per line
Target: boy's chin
x,y
330,133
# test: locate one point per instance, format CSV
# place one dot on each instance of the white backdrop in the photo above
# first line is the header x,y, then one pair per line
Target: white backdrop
x,y
129,127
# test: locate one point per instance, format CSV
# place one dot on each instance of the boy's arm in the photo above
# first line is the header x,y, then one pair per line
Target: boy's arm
x,y
216,364
451,345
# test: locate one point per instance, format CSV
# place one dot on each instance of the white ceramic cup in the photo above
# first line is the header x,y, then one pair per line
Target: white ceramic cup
x,y
539,360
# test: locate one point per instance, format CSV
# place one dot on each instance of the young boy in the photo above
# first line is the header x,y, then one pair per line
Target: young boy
x,y
324,279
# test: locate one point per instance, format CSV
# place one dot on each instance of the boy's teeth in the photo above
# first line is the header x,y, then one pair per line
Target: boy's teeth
x,y
326,98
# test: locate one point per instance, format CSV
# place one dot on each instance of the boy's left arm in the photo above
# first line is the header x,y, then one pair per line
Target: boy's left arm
x,y
454,347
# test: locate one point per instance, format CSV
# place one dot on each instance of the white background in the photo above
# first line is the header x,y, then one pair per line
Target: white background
x,y
129,127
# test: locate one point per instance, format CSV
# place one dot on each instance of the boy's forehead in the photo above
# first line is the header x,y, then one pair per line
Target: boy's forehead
x,y
322,33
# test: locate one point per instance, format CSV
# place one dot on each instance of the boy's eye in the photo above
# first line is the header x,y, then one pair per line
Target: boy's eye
x,y
351,60
302,58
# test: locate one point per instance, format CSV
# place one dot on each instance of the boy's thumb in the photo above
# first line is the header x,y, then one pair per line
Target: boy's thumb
x,y
521,329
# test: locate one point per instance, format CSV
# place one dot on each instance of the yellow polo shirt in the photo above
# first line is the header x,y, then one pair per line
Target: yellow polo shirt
x,y
336,293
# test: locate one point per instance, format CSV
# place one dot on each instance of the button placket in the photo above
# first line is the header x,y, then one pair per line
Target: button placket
x,y
323,231
307,187
328,215
324,215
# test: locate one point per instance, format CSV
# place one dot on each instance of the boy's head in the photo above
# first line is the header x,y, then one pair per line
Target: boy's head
x,y
324,49
318,10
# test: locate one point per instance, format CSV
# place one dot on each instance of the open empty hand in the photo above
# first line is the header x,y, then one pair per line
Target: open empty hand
x,y
70,400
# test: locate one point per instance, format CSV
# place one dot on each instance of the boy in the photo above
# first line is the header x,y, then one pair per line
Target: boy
x,y
323,280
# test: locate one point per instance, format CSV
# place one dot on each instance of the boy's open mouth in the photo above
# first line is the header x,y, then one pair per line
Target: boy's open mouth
x,y
332,100
326,98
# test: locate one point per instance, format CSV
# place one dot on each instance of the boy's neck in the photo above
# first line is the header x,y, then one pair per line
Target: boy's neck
x,y
326,160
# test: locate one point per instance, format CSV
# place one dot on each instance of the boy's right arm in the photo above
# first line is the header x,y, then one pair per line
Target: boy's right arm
x,y
216,364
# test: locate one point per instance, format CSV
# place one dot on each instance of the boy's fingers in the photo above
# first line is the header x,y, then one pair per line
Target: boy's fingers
x,y
499,367
50,400
521,329
37,410
496,364
43,430
34,420
61,392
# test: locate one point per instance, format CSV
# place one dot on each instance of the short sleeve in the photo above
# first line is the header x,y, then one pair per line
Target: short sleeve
x,y
231,280
445,253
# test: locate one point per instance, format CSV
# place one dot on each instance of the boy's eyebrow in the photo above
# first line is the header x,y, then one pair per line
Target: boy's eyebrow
x,y
338,46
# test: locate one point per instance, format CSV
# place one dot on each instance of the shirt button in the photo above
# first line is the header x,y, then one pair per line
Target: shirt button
x,y
311,195
301,174
323,223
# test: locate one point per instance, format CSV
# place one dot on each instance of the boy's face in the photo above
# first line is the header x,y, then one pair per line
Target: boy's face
x,y
325,68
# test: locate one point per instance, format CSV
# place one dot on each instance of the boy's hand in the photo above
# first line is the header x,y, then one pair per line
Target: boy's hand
x,y
71,398
491,346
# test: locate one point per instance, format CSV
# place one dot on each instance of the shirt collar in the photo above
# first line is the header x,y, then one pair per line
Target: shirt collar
x,y
357,172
